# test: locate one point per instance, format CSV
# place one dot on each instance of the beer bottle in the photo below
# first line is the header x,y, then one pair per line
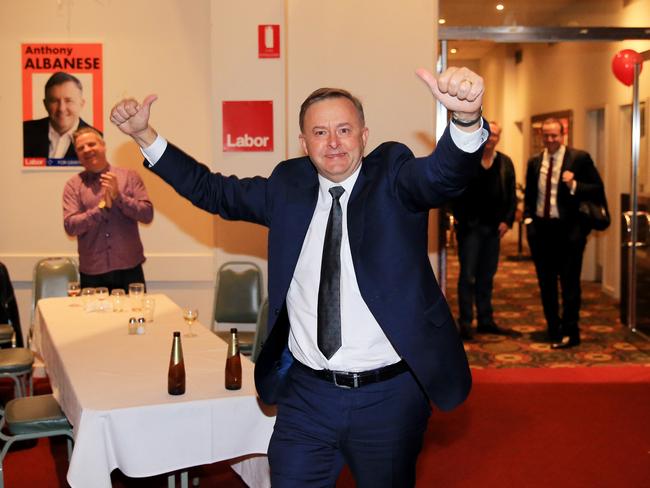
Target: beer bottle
x,y
233,363
176,375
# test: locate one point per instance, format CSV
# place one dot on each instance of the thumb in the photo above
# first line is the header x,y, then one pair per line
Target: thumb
x,y
147,102
430,80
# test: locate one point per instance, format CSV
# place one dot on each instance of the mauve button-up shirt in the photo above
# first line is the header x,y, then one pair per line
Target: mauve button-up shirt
x,y
107,239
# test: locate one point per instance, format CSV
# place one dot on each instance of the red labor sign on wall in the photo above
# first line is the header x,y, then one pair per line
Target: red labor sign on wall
x,y
268,40
247,126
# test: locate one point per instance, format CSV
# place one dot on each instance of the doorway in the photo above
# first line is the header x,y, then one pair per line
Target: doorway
x,y
600,262
592,267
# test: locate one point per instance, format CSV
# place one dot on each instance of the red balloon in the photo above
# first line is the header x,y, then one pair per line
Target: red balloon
x,y
623,65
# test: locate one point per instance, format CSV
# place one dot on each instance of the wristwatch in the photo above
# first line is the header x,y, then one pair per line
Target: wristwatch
x,y
466,123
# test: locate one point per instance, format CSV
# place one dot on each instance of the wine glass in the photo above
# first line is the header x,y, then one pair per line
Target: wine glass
x,y
102,294
74,290
190,315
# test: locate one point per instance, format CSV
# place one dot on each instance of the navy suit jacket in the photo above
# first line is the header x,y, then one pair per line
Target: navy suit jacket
x,y
387,227
36,140
589,186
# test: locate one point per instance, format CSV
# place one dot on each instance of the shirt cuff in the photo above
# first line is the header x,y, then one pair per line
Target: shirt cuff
x,y
154,152
468,141
574,185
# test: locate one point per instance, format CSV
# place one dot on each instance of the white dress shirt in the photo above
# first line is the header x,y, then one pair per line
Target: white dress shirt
x,y
60,143
364,344
558,158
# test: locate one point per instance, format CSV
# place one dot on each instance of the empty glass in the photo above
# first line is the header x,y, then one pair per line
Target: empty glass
x,y
148,308
118,296
136,292
87,296
101,293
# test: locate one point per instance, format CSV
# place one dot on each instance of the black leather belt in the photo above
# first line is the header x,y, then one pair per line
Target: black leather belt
x,y
344,379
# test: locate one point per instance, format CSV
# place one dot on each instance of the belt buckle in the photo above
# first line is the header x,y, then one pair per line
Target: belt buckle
x,y
355,381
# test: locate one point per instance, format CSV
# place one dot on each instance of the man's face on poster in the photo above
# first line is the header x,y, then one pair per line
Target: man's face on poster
x,y
63,103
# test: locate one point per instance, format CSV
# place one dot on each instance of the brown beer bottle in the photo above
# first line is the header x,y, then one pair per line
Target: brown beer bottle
x,y
233,363
176,375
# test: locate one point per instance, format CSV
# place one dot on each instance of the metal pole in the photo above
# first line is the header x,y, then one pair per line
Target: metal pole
x,y
634,204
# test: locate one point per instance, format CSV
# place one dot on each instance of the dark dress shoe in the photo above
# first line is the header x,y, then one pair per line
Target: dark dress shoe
x,y
567,343
554,335
496,330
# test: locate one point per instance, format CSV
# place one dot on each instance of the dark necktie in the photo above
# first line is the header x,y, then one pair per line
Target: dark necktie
x,y
329,290
547,195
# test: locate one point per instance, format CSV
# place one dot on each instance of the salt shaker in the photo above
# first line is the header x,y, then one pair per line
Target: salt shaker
x,y
133,325
140,329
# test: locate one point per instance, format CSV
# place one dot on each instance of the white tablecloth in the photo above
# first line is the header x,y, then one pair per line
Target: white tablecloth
x,y
112,386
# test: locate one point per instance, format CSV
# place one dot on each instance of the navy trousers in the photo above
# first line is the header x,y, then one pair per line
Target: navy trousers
x,y
478,254
376,429
557,248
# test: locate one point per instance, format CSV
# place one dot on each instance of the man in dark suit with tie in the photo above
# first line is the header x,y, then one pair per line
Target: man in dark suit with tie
x,y
361,338
51,136
557,180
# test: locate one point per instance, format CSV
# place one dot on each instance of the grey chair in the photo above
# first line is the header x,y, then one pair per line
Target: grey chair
x,y
261,330
238,296
17,363
32,418
50,279
6,335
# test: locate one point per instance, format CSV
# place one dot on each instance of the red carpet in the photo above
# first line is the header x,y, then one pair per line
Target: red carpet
x,y
586,427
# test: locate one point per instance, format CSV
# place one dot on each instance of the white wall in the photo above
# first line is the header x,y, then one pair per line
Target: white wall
x,y
193,55
165,51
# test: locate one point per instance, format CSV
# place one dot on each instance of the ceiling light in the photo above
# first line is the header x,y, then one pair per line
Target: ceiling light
x,y
453,50
500,7
441,21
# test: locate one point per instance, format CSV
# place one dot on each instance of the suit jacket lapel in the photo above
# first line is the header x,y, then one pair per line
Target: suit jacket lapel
x,y
301,202
567,161
538,164
356,209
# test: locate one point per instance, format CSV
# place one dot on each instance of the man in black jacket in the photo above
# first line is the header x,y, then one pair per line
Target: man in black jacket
x,y
483,215
557,180
51,136
8,306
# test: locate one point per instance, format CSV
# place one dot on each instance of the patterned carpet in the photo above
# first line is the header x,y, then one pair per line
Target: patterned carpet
x,y
517,305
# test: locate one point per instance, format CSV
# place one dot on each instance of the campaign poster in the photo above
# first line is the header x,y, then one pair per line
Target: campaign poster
x,y
62,92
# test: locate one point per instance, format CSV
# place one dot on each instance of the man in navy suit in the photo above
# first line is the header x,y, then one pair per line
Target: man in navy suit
x,y
51,136
361,338
557,180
